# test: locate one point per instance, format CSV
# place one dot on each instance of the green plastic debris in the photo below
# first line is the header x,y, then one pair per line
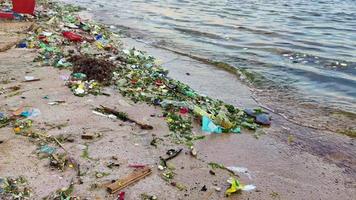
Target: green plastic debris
x,y
209,126
234,187
79,76
47,149
14,188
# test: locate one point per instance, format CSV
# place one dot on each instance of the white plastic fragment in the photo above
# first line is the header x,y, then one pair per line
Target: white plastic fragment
x,y
248,188
240,170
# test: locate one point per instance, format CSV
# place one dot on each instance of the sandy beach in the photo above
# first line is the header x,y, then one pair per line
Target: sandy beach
x,y
284,160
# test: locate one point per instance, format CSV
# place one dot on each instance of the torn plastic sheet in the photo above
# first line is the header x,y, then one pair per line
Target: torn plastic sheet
x,y
240,170
209,126
237,186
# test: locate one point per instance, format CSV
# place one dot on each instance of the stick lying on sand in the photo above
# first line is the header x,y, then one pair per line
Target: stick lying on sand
x,y
123,116
134,177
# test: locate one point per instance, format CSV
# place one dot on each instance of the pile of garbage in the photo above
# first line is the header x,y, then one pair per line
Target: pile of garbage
x,y
141,79
14,188
94,54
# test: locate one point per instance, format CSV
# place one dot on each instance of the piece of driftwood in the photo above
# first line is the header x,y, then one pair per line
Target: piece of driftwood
x,y
88,136
124,117
172,155
132,178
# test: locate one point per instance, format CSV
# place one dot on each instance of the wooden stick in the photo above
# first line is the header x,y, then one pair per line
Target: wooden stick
x,y
117,113
134,177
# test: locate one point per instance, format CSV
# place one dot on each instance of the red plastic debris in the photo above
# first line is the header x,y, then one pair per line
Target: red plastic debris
x,y
159,82
6,15
183,110
121,196
24,6
72,36
137,165
134,81
42,37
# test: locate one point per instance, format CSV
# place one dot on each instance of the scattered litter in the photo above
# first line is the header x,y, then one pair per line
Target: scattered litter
x,y
240,170
220,166
30,113
193,151
31,79
145,196
56,102
122,196
101,174
112,165
63,193
47,149
237,186
111,116
137,166
209,126
22,126
122,116
83,88
72,36
14,188
260,116
90,136
154,142
4,120
134,177
172,153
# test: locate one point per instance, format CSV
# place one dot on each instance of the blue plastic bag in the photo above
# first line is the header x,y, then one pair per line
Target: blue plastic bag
x,y
209,126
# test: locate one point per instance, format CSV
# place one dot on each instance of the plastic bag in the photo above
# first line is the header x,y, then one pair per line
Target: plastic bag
x,y
209,126
72,36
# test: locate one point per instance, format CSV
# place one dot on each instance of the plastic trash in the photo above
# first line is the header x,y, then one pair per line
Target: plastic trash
x,y
200,112
47,149
240,170
6,15
2,115
122,196
72,36
30,112
260,116
22,45
236,130
263,119
208,126
63,63
223,120
98,37
79,76
24,6
237,186
183,110
29,78
182,104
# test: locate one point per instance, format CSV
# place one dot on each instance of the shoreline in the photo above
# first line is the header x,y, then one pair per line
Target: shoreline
x,y
281,100
270,159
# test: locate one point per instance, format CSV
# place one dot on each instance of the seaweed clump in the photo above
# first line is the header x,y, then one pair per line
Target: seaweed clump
x,y
97,69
